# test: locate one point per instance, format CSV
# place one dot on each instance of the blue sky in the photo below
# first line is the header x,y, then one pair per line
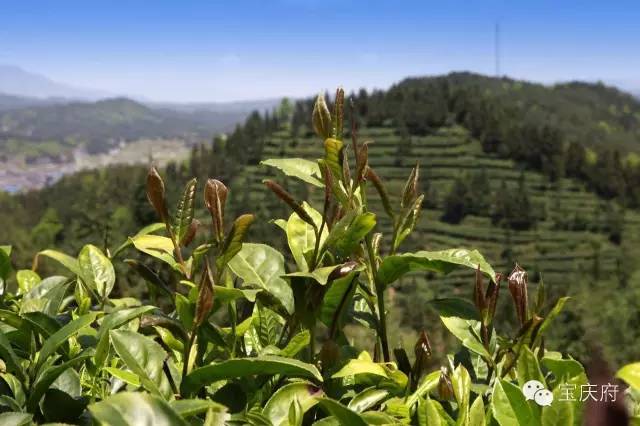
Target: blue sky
x,y
211,50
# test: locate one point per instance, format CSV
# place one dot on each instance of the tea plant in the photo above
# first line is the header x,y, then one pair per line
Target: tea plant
x,y
245,339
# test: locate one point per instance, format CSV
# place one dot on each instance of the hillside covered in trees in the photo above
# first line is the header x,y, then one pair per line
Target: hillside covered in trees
x,y
547,177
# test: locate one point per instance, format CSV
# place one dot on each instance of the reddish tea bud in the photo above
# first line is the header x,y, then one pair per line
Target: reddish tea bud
x,y
155,194
204,304
191,233
382,191
422,351
518,289
329,354
215,198
479,295
491,297
290,201
445,387
343,270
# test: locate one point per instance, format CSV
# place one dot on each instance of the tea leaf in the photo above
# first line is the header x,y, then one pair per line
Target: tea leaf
x,y
27,279
159,247
243,367
184,212
345,415
263,266
47,377
463,320
65,260
111,321
305,170
277,408
233,243
630,373
144,357
97,270
393,267
57,339
192,407
348,233
333,157
321,118
509,405
129,408
367,399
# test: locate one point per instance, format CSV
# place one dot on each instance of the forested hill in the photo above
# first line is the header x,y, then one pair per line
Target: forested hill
x,y
99,125
505,166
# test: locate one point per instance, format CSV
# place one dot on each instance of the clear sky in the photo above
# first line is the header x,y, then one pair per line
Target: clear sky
x,y
212,50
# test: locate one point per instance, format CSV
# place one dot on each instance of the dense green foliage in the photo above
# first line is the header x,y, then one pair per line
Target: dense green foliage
x,y
231,333
563,231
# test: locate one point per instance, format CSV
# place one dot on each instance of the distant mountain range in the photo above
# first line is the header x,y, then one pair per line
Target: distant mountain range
x,y
37,113
16,81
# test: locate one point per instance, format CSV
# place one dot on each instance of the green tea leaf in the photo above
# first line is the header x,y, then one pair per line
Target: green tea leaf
x,y
333,157
367,399
528,367
563,369
301,236
64,259
305,170
47,377
560,412
347,234
27,279
393,267
242,367
277,408
233,242
263,266
60,337
9,357
426,385
144,357
337,300
476,413
126,376
97,270
509,405
296,344
133,409
184,211
149,229
463,321
46,297
344,415
111,321
461,382
630,373
192,407
16,419
362,365
429,414
159,247
322,275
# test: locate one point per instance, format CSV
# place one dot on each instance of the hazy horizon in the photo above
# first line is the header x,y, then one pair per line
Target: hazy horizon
x,y
247,50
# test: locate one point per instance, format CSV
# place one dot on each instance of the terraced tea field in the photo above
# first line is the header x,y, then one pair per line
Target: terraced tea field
x,y
568,261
